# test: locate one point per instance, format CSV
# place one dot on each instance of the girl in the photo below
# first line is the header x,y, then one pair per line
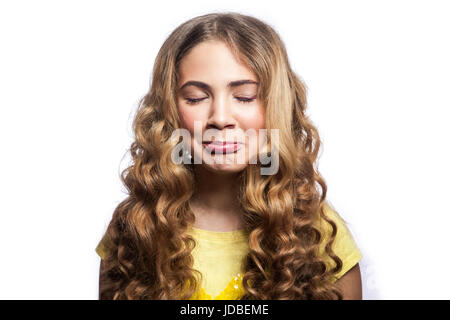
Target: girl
x,y
216,226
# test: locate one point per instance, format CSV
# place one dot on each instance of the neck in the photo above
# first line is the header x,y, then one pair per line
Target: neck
x,y
215,201
216,191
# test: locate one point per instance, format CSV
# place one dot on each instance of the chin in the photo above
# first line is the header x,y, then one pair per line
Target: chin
x,y
224,169
223,163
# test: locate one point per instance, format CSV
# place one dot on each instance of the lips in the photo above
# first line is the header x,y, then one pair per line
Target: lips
x,y
219,142
222,146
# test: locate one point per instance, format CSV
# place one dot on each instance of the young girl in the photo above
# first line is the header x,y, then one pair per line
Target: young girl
x,y
219,228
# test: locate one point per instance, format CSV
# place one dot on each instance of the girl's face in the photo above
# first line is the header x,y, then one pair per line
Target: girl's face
x,y
219,94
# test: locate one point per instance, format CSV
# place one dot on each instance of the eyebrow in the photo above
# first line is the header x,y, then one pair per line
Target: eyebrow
x,y
206,86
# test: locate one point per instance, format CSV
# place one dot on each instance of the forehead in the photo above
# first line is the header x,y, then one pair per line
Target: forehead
x,y
212,61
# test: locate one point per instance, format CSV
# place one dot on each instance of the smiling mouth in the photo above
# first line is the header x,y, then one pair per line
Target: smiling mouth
x,y
222,147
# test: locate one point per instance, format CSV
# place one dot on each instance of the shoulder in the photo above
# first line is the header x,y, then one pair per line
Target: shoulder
x,y
344,245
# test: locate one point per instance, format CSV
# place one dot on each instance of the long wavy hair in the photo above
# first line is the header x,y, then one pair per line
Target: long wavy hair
x,y
150,251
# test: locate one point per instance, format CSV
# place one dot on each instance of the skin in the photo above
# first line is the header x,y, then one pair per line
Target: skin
x,y
224,110
350,284
214,201
101,277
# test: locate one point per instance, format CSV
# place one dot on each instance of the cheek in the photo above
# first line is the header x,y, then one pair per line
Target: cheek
x,y
253,118
188,117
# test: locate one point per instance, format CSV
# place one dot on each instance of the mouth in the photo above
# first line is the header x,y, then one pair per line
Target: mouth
x,y
222,146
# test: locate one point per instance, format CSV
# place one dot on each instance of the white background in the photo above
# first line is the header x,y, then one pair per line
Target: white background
x,y
72,72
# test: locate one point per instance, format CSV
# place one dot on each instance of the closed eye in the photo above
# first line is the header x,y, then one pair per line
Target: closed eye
x,y
194,101
240,99
245,100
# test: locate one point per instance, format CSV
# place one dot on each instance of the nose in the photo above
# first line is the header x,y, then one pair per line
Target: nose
x,y
221,115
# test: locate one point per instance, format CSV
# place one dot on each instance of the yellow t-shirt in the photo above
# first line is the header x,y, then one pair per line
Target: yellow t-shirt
x,y
219,257
344,245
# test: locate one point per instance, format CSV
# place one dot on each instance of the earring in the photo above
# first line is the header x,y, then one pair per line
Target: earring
x,y
188,157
